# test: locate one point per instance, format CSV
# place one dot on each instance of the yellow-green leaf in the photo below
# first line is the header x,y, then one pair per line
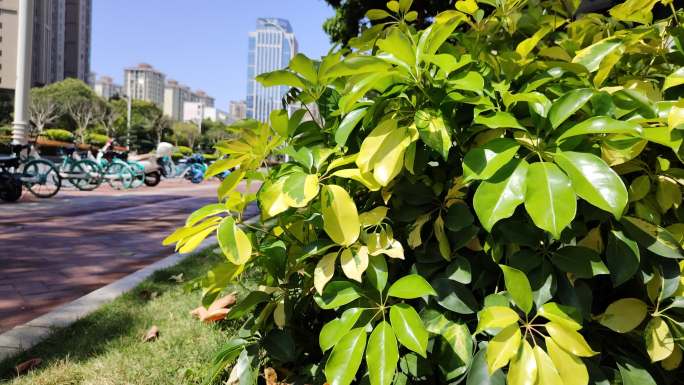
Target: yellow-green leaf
x,y
234,243
675,79
495,317
414,238
547,374
300,188
624,314
518,287
569,339
523,368
442,240
503,347
571,369
354,262
659,341
373,217
323,273
340,218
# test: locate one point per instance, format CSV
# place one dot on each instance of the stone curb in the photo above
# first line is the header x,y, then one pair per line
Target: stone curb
x,y
28,335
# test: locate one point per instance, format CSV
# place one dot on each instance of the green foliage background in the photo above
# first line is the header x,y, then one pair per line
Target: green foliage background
x,y
495,198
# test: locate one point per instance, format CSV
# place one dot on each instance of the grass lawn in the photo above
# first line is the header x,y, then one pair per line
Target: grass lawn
x,y
105,348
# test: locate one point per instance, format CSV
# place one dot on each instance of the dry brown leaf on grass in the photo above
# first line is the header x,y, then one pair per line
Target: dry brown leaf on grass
x,y
217,310
27,365
271,377
152,334
176,278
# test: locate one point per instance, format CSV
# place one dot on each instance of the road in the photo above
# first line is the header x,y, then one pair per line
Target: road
x,y
56,250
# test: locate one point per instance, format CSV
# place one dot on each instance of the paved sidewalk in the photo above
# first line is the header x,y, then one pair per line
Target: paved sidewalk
x,y
54,251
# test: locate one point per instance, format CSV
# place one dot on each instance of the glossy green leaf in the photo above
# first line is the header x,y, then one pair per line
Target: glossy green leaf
x,y
503,347
336,294
333,331
348,124
654,238
382,354
624,315
568,104
468,81
479,372
659,341
602,125
340,218
484,161
399,45
377,272
280,78
345,359
550,198
639,188
499,120
674,79
591,56
499,196
409,328
518,286
581,261
410,287
622,257
433,131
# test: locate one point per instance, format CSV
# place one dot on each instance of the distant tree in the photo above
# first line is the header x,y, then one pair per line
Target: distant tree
x,y
75,96
185,133
350,16
6,106
161,124
85,112
108,118
44,108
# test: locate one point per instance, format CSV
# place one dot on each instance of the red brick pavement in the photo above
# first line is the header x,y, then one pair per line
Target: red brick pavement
x,y
56,250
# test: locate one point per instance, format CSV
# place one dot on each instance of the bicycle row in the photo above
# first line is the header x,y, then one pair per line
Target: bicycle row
x,y
84,171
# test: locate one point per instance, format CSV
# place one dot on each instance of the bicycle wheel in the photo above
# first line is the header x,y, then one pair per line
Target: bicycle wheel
x,y
119,176
138,174
10,187
87,175
41,178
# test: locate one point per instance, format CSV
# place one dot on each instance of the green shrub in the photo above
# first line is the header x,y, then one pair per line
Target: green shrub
x,y
494,198
97,139
183,150
211,157
58,134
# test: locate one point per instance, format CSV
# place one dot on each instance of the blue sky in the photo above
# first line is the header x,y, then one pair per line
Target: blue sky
x,y
200,43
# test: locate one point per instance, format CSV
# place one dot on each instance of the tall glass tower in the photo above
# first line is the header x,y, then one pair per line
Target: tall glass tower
x,y
271,47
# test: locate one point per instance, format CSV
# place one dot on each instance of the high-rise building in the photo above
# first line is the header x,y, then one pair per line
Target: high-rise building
x,y
237,109
175,94
77,27
192,111
106,88
60,44
271,47
145,83
202,97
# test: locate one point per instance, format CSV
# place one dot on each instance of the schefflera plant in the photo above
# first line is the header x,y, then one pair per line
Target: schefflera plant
x,y
495,198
